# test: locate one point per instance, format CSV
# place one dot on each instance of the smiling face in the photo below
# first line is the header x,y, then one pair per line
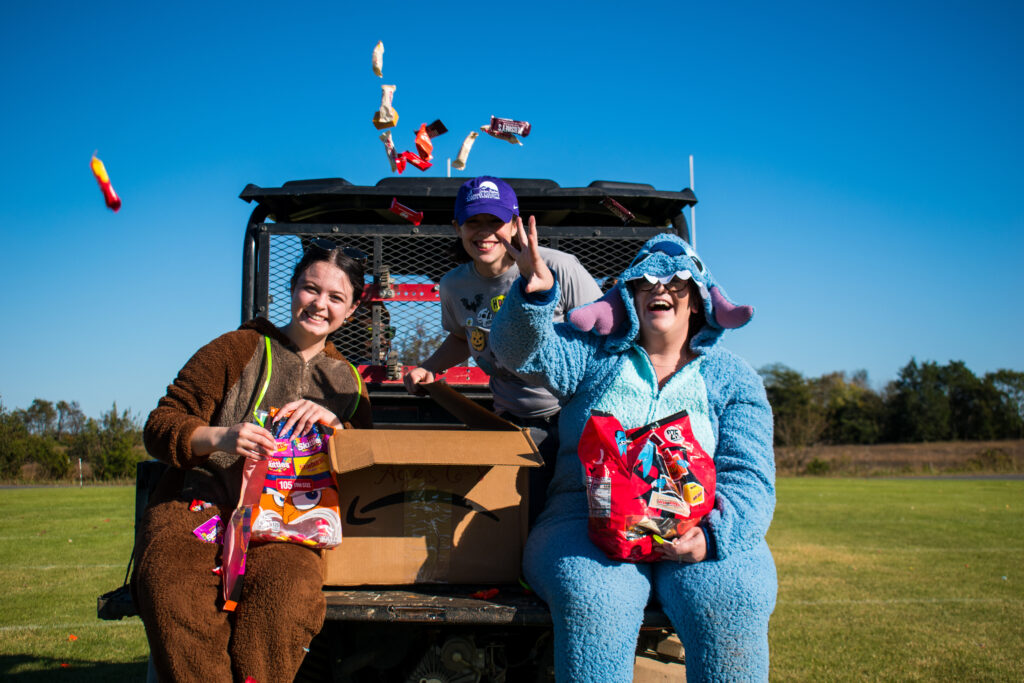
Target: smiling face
x,y
479,235
665,314
321,301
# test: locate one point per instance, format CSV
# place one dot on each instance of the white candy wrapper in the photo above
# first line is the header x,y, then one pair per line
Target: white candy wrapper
x,y
386,116
378,59
467,144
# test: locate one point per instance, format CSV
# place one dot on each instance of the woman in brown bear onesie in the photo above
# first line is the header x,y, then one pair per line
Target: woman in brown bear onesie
x,y
204,428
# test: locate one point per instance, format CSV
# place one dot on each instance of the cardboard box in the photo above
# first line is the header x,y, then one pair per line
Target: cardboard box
x,y
432,505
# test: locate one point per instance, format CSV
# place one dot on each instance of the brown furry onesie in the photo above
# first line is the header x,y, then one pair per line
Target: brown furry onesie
x,y
282,605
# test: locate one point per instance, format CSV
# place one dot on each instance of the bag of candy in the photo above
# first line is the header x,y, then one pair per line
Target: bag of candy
x,y
652,482
289,497
299,501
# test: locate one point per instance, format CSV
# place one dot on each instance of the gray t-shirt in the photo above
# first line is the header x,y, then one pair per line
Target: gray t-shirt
x,y
468,304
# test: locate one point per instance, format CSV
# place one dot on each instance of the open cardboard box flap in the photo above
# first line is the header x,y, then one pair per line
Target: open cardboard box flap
x,y
490,440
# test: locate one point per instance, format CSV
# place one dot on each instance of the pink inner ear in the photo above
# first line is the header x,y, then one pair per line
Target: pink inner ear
x,y
602,316
727,314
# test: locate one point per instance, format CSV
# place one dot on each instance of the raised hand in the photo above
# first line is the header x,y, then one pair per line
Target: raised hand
x,y
536,275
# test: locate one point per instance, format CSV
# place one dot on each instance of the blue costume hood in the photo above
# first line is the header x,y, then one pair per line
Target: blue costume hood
x,y
665,255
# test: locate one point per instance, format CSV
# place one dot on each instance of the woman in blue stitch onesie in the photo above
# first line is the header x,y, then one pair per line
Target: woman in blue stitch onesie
x,y
648,349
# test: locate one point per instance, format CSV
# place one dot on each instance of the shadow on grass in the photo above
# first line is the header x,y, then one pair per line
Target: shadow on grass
x,y
47,669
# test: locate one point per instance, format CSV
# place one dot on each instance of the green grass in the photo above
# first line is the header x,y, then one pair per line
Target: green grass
x,y
879,580
60,548
910,580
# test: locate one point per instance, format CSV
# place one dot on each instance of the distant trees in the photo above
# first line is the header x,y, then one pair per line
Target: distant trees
x,y
926,402
46,438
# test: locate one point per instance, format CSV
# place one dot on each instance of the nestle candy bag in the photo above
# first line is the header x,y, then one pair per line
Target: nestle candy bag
x,y
289,497
654,480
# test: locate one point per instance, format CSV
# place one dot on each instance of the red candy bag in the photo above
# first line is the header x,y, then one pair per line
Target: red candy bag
x,y
654,480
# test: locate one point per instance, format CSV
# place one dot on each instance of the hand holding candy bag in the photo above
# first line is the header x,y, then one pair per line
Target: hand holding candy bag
x,y
648,482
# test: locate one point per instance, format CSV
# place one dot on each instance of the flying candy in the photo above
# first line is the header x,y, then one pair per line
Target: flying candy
x,y
389,147
414,217
100,171
386,116
467,144
415,160
378,59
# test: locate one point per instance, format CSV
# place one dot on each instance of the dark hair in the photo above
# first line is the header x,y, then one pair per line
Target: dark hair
x,y
336,256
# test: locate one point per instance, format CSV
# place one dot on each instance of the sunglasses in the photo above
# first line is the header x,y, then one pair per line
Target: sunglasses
x,y
672,283
329,247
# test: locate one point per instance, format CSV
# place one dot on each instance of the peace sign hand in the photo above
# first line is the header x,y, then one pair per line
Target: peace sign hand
x,y
536,275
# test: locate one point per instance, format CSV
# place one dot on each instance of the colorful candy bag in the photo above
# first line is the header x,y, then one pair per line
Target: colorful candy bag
x,y
648,482
299,502
289,497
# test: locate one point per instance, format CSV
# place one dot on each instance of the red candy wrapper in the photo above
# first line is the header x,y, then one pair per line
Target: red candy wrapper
x,y
414,217
618,209
109,196
415,160
423,144
654,480
520,128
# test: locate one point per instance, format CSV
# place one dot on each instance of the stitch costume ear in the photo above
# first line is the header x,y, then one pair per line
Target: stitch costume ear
x,y
603,315
727,314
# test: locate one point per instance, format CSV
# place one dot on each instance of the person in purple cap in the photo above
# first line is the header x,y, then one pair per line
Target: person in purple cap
x,y
486,218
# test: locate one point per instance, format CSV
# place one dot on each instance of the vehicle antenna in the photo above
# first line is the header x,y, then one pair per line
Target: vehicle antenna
x,y
693,211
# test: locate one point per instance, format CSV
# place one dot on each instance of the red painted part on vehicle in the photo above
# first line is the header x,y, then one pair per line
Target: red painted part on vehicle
x,y
460,375
403,293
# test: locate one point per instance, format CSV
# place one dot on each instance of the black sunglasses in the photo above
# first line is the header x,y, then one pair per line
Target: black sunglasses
x,y
328,247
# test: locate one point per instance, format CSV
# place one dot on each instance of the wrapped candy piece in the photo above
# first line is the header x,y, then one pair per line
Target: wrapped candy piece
x,y
210,531
436,128
378,59
389,147
520,128
414,217
109,196
386,116
424,146
415,160
467,144
507,137
618,209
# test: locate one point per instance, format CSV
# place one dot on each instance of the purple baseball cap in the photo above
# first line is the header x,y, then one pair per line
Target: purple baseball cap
x,y
486,194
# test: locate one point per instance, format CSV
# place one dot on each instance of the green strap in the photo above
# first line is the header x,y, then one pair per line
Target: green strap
x,y
359,390
266,383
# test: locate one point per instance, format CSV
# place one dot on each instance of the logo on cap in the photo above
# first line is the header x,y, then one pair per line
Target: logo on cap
x,y
486,190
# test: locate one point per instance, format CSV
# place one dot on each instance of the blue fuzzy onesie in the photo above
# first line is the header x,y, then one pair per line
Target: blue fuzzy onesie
x,y
719,607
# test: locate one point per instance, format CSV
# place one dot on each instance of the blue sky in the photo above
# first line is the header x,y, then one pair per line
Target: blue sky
x,y
858,165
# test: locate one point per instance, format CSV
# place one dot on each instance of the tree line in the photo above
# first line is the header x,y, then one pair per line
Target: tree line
x,y
46,440
926,402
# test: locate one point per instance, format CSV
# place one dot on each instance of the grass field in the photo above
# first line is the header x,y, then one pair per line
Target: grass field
x,y
883,580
